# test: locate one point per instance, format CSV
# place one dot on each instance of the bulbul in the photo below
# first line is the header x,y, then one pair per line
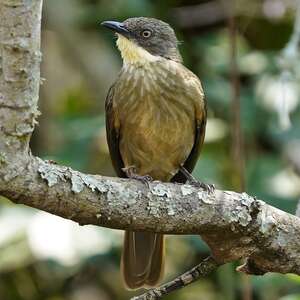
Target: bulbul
x,y
155,124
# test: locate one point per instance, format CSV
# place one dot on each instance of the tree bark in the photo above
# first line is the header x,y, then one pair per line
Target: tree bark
x,y
234,225
20,23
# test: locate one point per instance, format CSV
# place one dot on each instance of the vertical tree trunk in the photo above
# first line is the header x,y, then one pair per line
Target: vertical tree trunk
x,y
20,58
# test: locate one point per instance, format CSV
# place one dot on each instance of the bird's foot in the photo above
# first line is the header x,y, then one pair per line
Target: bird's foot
x,y
210,188
196,183
131,173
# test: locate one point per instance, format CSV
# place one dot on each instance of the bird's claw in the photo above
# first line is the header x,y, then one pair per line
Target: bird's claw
x,y
210,188
131,173
145,179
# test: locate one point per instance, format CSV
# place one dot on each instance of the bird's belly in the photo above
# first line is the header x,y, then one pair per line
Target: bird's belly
x,y
157,142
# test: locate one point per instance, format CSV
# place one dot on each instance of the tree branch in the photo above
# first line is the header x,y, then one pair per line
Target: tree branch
x,y
206,266
234,225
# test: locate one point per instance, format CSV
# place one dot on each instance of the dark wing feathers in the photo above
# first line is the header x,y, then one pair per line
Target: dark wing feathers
x,y
200,123
112,134
191,161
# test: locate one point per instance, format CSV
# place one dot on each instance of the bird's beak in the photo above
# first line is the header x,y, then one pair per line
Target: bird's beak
x,y
116,27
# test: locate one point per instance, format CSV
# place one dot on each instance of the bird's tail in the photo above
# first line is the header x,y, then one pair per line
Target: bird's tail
x,y
142,261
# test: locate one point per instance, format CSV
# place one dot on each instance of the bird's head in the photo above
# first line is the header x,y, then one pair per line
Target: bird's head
x,y
145,39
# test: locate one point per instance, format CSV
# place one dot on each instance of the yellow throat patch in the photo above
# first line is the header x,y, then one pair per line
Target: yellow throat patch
x,y
132,53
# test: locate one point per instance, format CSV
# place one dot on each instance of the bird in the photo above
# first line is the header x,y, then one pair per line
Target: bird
x,y
155,126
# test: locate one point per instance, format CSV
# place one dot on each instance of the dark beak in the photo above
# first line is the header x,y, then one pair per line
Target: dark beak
x,y
116,27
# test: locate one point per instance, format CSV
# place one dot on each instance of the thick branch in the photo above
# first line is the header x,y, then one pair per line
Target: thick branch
x,y
234,225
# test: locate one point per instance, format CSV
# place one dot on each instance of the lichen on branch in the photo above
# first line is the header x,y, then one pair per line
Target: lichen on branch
x,y
234,225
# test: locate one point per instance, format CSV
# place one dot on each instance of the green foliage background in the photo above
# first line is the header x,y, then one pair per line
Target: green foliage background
x,y
71,131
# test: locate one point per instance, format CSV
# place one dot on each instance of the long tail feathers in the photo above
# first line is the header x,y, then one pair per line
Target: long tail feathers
x,y
143,259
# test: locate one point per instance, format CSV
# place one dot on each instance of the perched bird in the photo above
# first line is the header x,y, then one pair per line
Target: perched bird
x,y
155,123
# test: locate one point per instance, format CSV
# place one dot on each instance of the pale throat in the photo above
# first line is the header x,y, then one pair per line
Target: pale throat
x,y
132,54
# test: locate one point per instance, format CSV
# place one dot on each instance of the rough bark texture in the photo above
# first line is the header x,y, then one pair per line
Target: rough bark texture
x,y
20,58
234,225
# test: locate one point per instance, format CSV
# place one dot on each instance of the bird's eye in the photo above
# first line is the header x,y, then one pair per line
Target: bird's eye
x,y
146,33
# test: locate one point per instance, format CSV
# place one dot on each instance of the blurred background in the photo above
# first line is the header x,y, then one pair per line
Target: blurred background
x,y
247,57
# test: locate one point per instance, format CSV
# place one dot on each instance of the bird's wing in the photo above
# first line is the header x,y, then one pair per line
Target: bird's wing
x,y
200,124
112,133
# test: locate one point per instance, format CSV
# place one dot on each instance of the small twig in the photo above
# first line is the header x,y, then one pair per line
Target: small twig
x,y
204,268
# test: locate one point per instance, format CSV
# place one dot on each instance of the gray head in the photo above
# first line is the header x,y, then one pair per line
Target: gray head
x,y
153,35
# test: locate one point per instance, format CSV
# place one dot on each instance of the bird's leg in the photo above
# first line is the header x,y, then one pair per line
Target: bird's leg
x,y
131,173
193,181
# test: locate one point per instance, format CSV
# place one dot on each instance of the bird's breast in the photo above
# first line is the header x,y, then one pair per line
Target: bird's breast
x,y
157,120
